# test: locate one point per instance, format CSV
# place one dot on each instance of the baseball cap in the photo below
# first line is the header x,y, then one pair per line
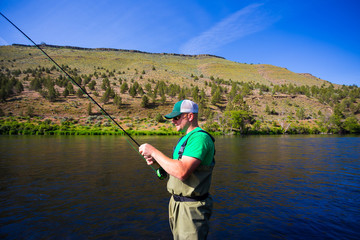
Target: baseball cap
x,y
183,106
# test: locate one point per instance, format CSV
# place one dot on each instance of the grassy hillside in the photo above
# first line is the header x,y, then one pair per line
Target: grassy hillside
x,y
273,97
179,67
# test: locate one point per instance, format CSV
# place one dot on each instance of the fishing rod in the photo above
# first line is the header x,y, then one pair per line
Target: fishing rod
x,y
160,172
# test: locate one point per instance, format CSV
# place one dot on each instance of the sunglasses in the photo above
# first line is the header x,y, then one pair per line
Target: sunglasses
x,y
177,117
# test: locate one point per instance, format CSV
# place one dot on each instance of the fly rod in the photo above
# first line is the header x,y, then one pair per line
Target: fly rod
x,y
160,172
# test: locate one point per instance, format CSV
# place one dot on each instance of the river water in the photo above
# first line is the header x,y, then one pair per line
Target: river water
x,y
98,187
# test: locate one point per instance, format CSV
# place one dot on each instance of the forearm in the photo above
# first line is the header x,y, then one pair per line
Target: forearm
x,y
180,169
173,167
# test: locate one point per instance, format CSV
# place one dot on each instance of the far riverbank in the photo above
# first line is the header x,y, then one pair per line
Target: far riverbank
x,y
103,126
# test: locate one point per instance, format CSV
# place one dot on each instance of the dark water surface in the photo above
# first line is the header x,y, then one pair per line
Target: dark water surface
x,y
98,187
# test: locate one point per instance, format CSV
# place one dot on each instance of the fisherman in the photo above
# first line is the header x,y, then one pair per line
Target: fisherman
x,y
190,171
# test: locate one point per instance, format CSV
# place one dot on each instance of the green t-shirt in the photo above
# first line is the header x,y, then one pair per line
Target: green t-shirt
x,y
199,145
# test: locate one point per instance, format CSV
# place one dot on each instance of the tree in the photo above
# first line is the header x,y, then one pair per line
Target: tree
x,y
112,93
159,118
202,99
78,80
161,88
267,109
92,85
195,94
79,93
19,87
124,88
3,94
182,94
36,84
70,88
145,101
105,84
148,87
233,91
351,125
216,97
66,92
106,97
141,91
163,99
89,109
117,101
136,85
300,113
173,90
51,94
30,111
246,89
335,120
132,91
238,120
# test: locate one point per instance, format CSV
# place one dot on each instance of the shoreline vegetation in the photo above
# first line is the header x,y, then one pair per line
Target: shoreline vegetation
x,y
137,89
103,126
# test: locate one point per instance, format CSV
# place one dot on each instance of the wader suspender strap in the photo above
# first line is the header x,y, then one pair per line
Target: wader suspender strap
x,y
178,198
182,148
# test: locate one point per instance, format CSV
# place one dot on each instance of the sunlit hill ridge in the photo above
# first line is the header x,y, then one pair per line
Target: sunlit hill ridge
x,y
136,87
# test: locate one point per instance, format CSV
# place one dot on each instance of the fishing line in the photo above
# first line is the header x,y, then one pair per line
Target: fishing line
x,y
161,173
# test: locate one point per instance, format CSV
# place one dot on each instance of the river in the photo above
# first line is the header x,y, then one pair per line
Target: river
x,y
98,187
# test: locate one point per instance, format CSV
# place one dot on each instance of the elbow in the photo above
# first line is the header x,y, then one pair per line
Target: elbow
x,y
183,176
186,168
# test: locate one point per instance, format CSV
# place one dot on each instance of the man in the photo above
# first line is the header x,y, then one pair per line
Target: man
x,y
190,171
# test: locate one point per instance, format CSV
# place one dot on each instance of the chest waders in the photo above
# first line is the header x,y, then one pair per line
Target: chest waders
x,y
190,206
196,186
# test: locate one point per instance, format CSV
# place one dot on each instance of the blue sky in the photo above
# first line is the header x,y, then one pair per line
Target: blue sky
x,y
320,37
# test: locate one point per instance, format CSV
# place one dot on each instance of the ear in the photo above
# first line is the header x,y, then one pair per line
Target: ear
x,y
190,116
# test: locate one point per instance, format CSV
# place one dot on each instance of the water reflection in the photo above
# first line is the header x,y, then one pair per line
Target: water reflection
x,y
288,186
98,187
